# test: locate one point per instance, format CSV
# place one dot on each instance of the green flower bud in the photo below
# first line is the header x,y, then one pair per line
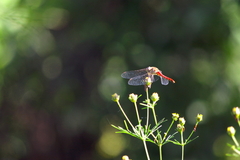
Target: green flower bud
x,y
125,157
236,112
199,117
231,131
180,128
154,97
182,121
175,116
148,82
133,97
115,97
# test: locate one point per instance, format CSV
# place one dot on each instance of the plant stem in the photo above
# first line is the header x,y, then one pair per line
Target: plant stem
x,y
194,129
235,141
146,150
135,104
154,114
144,143
235,150
159,135
125,115
147,107
166,133
182,142
238,123
160,151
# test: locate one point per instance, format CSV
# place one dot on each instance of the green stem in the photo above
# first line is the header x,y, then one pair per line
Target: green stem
x,y
238,122
144,143
160,151
135,104
146,150
125,115
154,115
182,143
235,141
147,107
160,140
194,129
235,150
166,133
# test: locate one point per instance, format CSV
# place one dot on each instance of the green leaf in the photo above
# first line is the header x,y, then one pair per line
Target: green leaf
x,y
191,140
175,142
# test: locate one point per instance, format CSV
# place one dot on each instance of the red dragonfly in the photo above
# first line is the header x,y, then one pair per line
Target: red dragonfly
x,y
138,77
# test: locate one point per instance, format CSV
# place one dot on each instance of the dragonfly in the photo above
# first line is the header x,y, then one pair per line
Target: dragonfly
x,y
138,77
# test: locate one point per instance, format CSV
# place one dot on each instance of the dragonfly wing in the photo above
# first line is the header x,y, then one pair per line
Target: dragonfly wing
x,y
155,78
141,80
132,74
138,80
164,81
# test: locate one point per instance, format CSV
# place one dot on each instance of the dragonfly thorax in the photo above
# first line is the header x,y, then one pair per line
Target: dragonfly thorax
x,y
152,70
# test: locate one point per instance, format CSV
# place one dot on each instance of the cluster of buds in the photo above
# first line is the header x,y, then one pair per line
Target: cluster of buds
x,y
180,125
231,130
182,121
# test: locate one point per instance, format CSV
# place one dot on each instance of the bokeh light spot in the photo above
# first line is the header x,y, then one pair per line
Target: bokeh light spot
x,y
196,107
111,81
202,68
16,147
43,42
111,144
6,54
55,18
220,101
52,67
131,38
142,55
219,146
233,69
8,4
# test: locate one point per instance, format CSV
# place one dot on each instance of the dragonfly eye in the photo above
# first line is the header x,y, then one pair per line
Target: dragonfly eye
x,y
149,68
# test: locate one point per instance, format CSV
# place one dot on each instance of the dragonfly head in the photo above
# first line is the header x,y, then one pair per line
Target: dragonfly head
x,y
152,70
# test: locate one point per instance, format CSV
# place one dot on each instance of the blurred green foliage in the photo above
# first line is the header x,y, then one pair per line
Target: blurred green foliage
x,y
60,62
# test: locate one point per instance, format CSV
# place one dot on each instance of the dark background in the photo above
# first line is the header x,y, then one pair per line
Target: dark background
x,y
61,60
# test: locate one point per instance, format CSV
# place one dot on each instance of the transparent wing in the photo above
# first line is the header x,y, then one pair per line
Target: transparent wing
x,y
164,81
135,73
140,80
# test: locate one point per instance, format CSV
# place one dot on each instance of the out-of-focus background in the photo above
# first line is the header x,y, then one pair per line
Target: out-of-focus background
x,y
61,60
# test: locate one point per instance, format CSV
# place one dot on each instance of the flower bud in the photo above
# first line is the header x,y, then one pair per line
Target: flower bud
x,y
115,97
147,101
231,131
154,97
175,116
180,128
182,121
199,117
125,157
236,112
148,82
133,97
